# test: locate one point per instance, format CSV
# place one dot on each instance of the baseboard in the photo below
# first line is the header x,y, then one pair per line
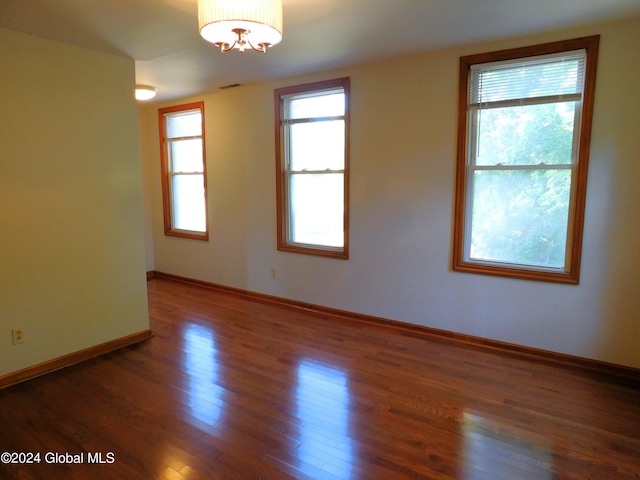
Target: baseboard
x,y
72,358
614,372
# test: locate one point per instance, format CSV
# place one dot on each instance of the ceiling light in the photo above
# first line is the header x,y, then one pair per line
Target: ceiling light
x,y
241,24
145,92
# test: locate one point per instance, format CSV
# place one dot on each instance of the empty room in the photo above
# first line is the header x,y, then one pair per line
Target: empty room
x,y
319,239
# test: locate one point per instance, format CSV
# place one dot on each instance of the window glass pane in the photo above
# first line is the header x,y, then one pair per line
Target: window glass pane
x,y
317,104
520,216
526,135
188,202
317,145
185,124
185,155
317,208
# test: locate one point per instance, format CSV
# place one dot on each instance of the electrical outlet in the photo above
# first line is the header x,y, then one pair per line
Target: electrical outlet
x,y
273,272
17,335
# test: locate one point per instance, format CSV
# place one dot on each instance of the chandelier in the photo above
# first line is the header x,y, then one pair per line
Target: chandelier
x,y
241,24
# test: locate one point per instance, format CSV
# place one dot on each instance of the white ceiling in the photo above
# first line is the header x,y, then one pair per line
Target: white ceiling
x,y
162,35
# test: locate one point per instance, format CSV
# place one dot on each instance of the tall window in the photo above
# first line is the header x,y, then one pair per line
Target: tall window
x,y
523,148
312,145
184,180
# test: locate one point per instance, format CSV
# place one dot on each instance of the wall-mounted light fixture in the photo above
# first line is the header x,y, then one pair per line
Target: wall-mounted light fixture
x,y
241,24
145,92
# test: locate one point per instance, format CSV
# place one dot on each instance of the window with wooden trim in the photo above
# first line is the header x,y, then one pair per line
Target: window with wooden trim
x,y
184,177
312,163
524,131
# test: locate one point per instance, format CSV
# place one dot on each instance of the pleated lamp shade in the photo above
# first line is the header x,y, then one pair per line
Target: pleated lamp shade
x,y
222,22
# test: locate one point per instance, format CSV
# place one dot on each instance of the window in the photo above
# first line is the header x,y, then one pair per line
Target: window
x,y
312,157
184,178
523,149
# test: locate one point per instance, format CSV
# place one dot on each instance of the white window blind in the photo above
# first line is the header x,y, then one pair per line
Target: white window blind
x,y
315,105
550,77
186,124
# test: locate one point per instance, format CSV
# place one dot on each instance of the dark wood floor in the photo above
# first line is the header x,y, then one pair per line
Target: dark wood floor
x,y
230,388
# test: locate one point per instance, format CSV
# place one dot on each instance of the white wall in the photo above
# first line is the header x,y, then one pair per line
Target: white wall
x,y
72,270
403,135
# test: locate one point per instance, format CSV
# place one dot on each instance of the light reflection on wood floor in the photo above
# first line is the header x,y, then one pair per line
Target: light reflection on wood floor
x,y
235,389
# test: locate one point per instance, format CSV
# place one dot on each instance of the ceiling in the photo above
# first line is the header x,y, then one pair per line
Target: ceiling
x,y
162,35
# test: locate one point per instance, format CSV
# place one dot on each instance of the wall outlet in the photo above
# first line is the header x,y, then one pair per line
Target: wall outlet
x,y
273,272
17,335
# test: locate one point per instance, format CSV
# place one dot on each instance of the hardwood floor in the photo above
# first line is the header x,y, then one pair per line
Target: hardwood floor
x,y
230,388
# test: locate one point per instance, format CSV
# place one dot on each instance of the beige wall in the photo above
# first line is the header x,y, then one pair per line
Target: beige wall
x,y
72,270
403,152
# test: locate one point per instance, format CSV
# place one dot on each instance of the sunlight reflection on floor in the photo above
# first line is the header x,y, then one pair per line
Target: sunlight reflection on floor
x,y
204,396
322,398
495,451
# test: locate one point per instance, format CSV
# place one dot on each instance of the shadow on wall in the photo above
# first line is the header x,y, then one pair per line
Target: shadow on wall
x,y
620,340
614,178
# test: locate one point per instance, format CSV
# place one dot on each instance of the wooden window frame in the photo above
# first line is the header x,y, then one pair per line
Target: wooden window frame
x,y
283,242
167,204
571,273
